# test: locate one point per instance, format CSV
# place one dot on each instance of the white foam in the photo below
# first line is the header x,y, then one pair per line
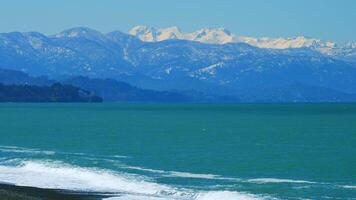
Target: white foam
x,y
215,177
177,174
137,197
119,156
22,150
276,180
57,175
213,195
61,176
13,149
349,186
226,195
85,155
191,175
144,169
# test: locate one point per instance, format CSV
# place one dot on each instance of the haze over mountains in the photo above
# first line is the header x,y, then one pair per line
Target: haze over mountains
x,y
209,61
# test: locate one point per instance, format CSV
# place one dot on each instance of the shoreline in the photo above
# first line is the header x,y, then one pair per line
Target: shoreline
x,y
13,192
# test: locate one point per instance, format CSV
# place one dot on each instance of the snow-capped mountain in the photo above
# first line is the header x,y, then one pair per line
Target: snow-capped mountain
x,y
210,36
202,61
223,36
285,43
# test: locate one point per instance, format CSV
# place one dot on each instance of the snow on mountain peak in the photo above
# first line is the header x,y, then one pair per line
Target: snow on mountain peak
x,y
144,33
213,36
284,43
223,36
169,33
149,34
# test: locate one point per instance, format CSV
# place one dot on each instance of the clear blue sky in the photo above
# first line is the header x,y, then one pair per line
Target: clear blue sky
x,y
326,19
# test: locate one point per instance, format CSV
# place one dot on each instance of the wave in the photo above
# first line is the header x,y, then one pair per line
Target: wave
x,y
58,175
137,197
62,176
13,149
156,171
227,195
192,175
93,156
177,174
349,186
214,195
277,180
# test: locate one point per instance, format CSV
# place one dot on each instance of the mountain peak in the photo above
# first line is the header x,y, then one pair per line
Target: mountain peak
x,y
173,32
223,36
213,36
207,35
144,33
79,32
215,30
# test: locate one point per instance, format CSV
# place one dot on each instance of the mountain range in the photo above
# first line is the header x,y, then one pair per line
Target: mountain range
x,y
223,36
210,62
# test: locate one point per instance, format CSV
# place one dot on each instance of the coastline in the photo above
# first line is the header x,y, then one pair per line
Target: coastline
x,y
12,192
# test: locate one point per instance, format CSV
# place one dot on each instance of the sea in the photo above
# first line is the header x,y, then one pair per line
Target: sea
x,y
153,151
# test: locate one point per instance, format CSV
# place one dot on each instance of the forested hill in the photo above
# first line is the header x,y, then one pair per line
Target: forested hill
x,y
113,90
54,93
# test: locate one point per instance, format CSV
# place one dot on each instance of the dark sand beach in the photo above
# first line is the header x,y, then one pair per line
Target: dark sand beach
x,y
12,192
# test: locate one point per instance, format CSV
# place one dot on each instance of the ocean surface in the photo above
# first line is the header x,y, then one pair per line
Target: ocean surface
x,y
182,152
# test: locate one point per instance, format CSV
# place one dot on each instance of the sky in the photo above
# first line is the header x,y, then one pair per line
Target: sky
x,y
333,20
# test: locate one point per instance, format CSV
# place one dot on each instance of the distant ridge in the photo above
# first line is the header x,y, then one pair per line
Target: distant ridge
x,y
18,86
54,93
233,69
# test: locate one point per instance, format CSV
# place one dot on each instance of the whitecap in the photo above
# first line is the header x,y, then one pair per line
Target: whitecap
x,y
177,174
14,149
276,180
63,176
58,175
137,197
144,169
192,175
349,186
212,195
226,195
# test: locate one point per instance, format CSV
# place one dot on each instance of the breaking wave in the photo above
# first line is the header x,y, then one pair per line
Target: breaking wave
x,y
13,149
176,174
58,175
277,180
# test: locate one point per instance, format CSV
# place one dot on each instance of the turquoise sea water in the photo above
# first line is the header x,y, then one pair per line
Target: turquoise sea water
x,y
186,151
